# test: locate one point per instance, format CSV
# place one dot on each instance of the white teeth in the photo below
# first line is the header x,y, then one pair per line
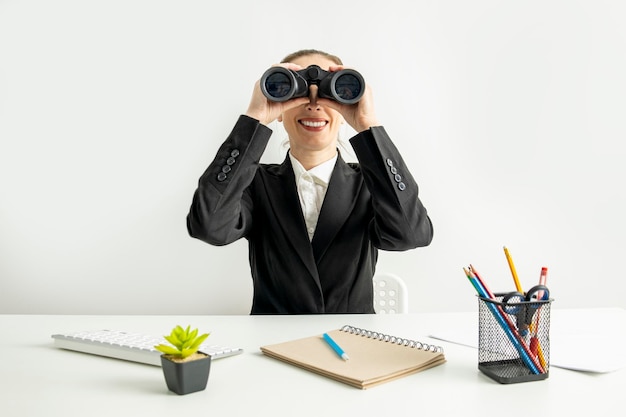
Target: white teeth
x,y
312,124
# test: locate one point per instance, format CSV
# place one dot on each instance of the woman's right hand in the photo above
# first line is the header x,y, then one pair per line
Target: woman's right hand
x,y
266,111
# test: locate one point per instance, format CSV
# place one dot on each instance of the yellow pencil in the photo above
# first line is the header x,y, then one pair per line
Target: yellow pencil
x,y
513,271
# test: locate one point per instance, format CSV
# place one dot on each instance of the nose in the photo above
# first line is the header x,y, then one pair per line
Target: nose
x,y
312,105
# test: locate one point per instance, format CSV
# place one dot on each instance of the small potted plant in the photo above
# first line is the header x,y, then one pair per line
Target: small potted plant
x,y
186,370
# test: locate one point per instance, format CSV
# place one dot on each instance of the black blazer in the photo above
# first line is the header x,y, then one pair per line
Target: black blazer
x,y
368,206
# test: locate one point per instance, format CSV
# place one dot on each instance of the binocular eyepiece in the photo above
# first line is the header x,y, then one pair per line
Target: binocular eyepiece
x,y
281,84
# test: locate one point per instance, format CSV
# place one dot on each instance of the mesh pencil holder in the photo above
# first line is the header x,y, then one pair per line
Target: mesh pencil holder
x,y
514,339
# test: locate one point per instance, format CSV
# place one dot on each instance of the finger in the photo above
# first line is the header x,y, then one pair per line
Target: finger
x,y
334,68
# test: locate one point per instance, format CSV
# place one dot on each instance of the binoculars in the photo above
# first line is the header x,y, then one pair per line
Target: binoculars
x,y
281,84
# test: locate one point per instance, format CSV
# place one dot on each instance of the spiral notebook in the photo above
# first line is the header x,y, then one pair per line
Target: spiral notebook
x,y
375,358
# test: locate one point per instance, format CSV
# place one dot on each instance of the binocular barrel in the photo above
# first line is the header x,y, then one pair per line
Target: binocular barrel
x,y
281,84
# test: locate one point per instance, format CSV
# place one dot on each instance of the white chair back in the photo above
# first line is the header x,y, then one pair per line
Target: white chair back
x,y
390,294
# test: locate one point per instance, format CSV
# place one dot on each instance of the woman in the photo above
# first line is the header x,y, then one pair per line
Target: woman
x,y
314,223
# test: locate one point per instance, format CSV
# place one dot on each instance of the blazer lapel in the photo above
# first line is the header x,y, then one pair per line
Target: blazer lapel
x,y
338,203
283,197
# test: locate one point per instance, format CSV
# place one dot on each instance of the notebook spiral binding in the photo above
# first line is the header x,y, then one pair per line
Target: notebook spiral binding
x,y
392,339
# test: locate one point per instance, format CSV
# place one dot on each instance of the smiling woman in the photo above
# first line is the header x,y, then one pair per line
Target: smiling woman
x,y
314,223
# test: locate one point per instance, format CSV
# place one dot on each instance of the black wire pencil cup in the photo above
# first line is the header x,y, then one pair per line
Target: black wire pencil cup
x,y
513,330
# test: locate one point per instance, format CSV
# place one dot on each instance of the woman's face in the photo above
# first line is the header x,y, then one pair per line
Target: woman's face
x,y
312,127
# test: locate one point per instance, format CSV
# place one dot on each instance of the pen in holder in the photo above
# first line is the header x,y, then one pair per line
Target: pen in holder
x,y
514,337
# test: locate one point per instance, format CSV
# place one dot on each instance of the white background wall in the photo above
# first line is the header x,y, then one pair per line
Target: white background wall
x,y
511,115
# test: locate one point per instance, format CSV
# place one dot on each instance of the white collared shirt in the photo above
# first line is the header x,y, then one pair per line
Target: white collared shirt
x,y
312,186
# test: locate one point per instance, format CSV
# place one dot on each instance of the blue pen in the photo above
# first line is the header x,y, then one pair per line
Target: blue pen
x,y
335,347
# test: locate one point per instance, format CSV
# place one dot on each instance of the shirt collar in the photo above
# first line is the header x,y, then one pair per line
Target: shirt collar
x,y
321,173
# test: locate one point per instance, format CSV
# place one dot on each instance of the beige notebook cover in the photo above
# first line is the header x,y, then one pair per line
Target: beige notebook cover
x,y
372,361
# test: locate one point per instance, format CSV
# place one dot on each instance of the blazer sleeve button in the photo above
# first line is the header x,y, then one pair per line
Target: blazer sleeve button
x,y
221,176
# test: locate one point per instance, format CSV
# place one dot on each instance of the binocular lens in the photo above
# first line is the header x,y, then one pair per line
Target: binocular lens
x,y
347,87
278,85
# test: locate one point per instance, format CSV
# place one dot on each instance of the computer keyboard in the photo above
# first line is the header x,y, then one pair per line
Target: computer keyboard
x,y
135,347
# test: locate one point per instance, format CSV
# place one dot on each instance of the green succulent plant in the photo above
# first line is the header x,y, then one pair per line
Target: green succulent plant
x,y
184,342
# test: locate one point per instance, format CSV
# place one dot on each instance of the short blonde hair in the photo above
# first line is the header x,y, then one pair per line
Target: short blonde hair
x,y
306,52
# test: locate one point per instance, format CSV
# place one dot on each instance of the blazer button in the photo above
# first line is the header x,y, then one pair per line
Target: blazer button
x,y
230,161
221,176
226,169
234,153
389,162
393,170
401,186
398,178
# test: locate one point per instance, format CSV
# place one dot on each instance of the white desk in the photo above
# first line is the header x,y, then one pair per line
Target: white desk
x,y
38,379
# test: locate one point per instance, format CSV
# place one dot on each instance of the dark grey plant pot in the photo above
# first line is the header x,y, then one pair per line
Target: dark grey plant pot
x,y
186,377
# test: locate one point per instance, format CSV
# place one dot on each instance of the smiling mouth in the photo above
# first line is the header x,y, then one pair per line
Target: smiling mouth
x,y
315,124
